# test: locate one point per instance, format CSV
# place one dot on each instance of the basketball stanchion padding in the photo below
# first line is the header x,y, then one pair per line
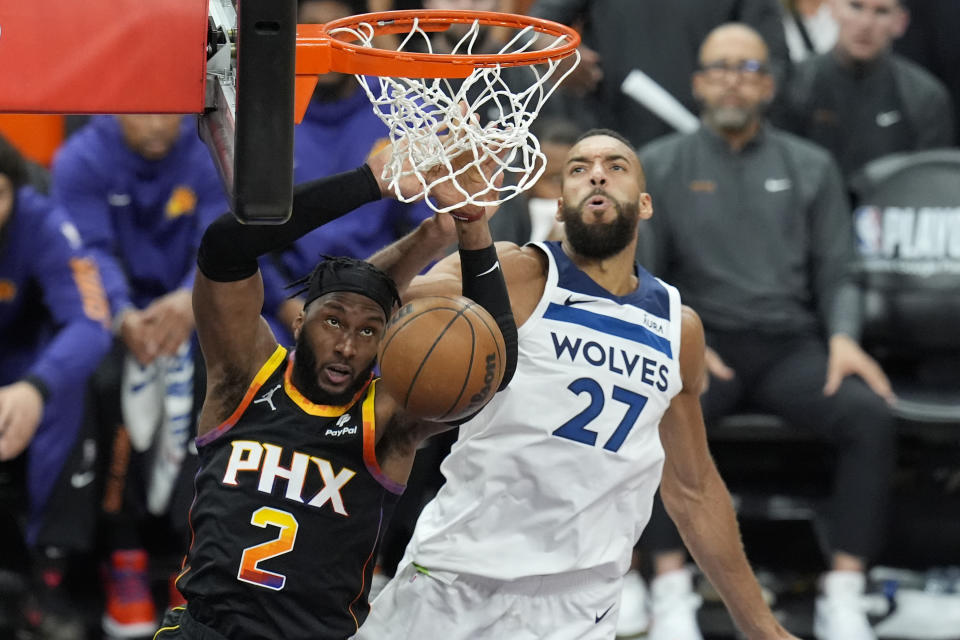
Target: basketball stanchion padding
x,y
266,55
442,357
102,56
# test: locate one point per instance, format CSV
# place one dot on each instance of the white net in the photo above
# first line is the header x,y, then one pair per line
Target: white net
x,y
501,104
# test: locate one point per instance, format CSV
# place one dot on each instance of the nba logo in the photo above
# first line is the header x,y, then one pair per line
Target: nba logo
x,y
868,230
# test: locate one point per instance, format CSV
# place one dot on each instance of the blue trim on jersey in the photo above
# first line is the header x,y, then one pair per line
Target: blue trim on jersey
x,y
606,324
650,295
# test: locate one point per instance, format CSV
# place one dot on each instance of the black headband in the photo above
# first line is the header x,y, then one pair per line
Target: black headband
x,y
354,276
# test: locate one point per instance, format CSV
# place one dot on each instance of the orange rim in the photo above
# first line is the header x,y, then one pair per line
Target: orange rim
x,y
399,63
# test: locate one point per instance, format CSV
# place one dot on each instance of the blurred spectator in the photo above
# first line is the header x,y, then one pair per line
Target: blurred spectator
x,y
532,215
809,26
54,330
860,100
753,226
141,190
338,131
38,177
658,38
930,40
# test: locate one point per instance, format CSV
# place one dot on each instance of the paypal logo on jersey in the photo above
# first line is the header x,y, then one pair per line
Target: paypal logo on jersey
x,y
350,431
340,429
651,371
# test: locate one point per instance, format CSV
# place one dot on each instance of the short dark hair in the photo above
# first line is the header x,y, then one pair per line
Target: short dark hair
x,y
12,164
610,133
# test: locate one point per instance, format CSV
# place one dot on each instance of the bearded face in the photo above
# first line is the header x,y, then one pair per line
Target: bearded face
x,y
305,376
600,240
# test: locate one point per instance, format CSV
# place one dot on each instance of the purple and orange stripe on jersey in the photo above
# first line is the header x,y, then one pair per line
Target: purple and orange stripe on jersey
x,y
370,444
265,372
86,277
363,571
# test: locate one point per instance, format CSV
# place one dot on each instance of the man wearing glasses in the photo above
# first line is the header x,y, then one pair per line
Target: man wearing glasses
x,y
753,226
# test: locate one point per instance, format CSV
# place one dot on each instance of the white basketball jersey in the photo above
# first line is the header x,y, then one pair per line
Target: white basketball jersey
x,y
558,472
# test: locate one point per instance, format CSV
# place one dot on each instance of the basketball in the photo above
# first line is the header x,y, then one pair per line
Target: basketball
x,y
442,357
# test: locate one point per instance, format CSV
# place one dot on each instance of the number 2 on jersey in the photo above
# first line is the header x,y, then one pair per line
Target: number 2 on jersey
x,y
253,556
576,427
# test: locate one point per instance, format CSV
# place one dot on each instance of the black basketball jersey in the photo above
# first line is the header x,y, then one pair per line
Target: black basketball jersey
x,y
290,507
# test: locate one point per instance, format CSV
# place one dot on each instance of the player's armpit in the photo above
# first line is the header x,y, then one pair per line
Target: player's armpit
x,y
398,436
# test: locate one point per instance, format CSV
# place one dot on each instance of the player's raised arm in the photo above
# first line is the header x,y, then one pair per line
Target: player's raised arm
x,y
228,293
698,501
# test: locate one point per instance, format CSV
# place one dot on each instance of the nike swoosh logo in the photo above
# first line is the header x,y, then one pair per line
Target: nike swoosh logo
x,y
888,118
80,480
601,616
496,265
570,301
137,388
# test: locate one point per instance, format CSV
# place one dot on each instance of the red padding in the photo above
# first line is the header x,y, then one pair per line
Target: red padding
x,y
103,56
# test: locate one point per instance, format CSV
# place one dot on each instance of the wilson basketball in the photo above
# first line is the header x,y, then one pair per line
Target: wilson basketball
x,y
442,357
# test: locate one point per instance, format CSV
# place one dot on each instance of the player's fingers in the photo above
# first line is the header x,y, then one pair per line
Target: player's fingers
x,y
6,411
716,366
15,438
172,341
143,350
834,378
878,382
6,432
588,55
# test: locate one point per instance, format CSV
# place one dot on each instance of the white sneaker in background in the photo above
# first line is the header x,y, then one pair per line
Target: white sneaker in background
x,y
921,615
674,607
634,618
841,610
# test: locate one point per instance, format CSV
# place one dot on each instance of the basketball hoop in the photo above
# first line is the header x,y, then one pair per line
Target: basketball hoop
x,y
79,67
414,95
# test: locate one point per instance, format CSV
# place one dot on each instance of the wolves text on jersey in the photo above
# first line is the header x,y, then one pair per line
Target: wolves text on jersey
x,y
652,372
248,456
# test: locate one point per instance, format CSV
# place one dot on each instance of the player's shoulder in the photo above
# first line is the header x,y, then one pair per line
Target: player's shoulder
x,y
44,220
916,82
690,321
526,261
90,150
